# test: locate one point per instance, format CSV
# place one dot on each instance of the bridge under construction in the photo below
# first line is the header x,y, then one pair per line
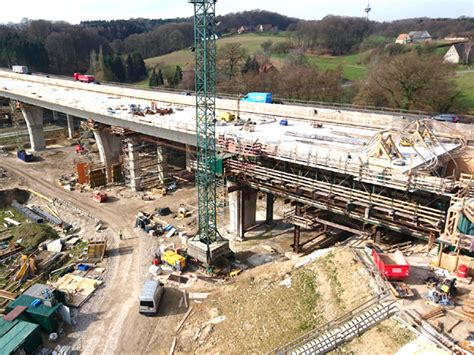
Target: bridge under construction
x,y
357,171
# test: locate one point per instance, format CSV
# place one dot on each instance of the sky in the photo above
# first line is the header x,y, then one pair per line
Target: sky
x,y
382,10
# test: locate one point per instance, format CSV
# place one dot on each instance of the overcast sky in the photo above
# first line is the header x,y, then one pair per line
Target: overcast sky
x,y
79,10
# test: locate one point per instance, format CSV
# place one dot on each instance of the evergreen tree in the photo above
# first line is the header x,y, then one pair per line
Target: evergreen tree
x,y
153,79
159,78
118,69
178,76
136,69
248,63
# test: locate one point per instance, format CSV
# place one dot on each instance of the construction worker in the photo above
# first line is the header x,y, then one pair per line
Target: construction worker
x,y
120,234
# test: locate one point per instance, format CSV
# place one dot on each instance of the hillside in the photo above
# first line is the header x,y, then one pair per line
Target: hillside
x,y
466,85
185,58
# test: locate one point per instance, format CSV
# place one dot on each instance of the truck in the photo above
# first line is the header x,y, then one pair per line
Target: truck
x,y
150,297
85,78
258,97
20,69
24,155
393,266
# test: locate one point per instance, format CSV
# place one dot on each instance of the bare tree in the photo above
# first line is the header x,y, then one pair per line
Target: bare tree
x,y
467,51
411,81
231,57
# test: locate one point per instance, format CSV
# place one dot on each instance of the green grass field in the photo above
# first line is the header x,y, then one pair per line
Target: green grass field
x,y
351,70
185,58
466,84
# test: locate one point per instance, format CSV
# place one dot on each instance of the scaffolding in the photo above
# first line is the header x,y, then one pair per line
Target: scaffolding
x,y
143,163
353,202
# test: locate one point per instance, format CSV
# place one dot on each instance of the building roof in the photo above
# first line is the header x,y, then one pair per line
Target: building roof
x,y
460,49
419,34
402,36
13,334
41,310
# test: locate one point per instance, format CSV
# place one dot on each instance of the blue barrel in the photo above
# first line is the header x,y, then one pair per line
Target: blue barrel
x,y
36,303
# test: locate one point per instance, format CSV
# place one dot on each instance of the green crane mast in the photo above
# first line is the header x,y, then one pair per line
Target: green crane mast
x,y
205,77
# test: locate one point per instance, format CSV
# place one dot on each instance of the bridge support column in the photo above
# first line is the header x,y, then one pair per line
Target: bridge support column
x,y
70,126
55,116
297,231
242,210
269,208
109,147
161,160
189,154
34,121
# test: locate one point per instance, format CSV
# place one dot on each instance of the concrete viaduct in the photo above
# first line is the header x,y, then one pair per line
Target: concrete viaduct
x,y
349,173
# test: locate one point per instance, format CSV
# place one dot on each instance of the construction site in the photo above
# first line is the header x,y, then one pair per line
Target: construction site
x,y
153,222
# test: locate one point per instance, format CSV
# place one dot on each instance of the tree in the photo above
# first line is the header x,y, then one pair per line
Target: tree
x,y
281,47
178,76
467,51
153,79
266,45
159,78
413,82
118,69
136,69
231,56
251,65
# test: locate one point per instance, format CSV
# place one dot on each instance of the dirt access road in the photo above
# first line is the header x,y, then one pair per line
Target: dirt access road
x,y
113,324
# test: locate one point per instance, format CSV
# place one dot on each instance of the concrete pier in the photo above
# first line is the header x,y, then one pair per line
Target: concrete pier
x,y
34,121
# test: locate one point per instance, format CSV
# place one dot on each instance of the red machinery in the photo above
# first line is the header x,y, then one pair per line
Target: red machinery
x,y
98,196
84,78
393,266
80,149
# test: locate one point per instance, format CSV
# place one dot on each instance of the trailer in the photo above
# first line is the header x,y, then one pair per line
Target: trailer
x,y
393,266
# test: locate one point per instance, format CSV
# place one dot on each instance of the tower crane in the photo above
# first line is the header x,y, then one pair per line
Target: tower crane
x,y
208,245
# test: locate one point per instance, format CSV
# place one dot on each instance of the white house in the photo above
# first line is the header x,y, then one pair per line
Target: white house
x,y
458,53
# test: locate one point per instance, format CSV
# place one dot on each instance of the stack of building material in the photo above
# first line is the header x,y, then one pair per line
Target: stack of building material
x,y
25,211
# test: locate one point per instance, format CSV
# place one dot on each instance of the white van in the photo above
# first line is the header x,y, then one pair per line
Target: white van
x,y
150,297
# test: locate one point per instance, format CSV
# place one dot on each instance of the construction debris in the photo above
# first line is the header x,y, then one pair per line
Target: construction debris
x,y
178,328
77,289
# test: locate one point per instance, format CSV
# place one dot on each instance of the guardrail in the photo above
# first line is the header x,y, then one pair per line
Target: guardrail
x,y
336,105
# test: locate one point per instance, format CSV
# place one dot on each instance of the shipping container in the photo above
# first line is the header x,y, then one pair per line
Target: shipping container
x,y
393,266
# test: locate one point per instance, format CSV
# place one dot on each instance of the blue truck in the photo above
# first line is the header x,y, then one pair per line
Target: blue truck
x,y
259,97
